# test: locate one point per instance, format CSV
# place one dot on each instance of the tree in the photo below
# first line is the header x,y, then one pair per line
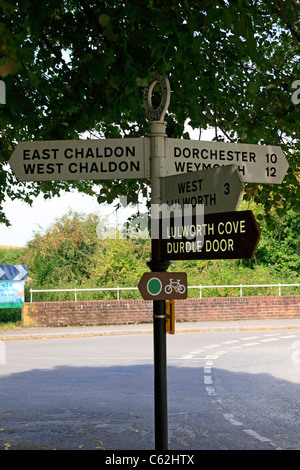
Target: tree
x,y
72,66
282,249
121,262
84,251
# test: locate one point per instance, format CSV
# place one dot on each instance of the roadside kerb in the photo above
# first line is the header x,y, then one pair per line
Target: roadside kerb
x,y
114,330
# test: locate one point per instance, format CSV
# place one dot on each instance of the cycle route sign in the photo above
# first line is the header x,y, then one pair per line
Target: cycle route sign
x,y
163,286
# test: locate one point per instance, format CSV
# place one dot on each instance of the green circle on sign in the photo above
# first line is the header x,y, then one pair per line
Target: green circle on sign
x,y
154,286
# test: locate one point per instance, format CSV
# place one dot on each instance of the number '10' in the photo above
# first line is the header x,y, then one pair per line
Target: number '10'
x,y
271,158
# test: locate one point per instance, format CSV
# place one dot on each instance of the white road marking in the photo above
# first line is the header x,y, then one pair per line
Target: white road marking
x,y
256,435
249,337
207,369
289,336
207,379
268,340
231,419
231,342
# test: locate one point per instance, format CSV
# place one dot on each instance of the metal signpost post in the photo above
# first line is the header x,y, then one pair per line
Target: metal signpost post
x,y
157,155
236,235
182,172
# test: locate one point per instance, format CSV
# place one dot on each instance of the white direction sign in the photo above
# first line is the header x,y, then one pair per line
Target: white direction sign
x,y
218,189
100,159
256,163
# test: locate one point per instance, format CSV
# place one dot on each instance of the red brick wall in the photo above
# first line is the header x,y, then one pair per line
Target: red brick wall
x,y
113,312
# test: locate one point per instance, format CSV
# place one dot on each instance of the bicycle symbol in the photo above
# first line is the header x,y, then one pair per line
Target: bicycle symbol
x,y
176,286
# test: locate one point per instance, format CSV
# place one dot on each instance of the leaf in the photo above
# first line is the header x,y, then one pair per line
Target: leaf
x,y
108,33
142,81
253,88
34,80
88,78
9,67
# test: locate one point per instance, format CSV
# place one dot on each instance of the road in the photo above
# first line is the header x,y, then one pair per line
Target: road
x,y
235,390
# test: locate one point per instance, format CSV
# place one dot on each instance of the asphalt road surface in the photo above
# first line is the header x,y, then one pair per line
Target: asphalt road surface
x,y
230,390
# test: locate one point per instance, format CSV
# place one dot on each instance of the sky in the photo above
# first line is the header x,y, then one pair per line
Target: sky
x,y
27,220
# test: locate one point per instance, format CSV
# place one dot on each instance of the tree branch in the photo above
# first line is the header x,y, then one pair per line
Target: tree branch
x,y
279,10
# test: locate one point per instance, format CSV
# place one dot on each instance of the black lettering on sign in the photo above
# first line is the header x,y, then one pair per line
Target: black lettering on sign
x,y
42,168
103,167
36,154
190,186
230,235
97,152
214,154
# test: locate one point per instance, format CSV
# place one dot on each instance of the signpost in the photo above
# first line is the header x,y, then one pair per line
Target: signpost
x,y
163,286
175,167
91,159
218,189
256,163
13,272
157,152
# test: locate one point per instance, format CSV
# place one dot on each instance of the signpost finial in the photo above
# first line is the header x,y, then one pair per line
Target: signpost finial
x,y
159,113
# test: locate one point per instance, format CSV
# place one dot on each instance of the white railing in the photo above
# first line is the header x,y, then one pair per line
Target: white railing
x,y
75,290
241,286
200,287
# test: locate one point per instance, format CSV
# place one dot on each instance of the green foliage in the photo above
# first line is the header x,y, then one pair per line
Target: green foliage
x,y
121,262
70,254
282,249
64,253
76,66
11,255
233,273
10,316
